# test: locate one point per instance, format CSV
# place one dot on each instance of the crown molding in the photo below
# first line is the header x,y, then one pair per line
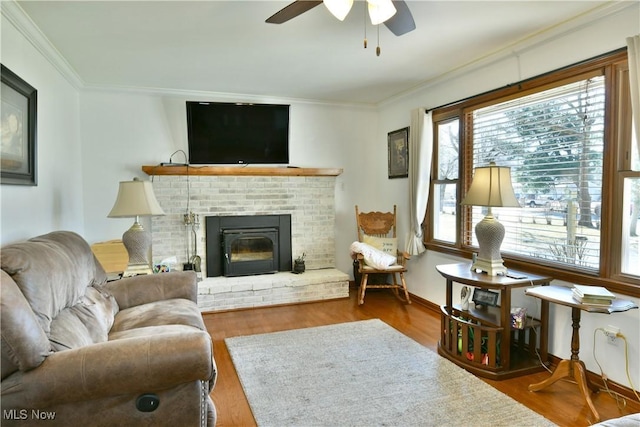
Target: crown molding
x,y
23,23
222,96
518,47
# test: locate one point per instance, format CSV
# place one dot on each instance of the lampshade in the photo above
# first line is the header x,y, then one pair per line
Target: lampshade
x,y
380,10
491,187
135,198
339,8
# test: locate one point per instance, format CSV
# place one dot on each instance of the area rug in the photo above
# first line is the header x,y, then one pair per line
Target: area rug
x,y
364,373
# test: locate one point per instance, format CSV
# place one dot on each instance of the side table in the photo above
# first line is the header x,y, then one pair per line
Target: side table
x,y
496,353
574,367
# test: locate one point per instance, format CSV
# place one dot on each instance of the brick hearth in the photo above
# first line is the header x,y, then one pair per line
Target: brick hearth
x,y
223,293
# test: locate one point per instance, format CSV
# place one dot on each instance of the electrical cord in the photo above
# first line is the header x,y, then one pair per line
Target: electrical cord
x,y
186,161
620,399
626,358
538,311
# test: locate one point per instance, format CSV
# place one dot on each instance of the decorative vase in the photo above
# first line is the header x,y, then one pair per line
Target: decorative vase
x,y
298,266
465,294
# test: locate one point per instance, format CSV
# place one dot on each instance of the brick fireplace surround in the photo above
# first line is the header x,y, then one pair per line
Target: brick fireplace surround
x,y
307,195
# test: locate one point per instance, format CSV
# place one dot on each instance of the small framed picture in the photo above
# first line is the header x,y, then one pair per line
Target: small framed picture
x,y
485,297
398,141
18,129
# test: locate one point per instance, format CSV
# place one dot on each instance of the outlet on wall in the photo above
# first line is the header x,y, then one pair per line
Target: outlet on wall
x,y
612,333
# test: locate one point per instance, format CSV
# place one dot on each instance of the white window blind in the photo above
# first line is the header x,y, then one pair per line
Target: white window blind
x,y
553,141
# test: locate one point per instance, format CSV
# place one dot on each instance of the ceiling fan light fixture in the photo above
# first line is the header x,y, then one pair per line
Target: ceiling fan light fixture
x,y
380,10
339,8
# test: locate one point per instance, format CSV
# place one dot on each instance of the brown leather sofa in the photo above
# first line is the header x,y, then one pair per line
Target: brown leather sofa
x,y
80,351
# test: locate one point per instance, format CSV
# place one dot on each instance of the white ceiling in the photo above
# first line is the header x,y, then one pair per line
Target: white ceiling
x,y
226,47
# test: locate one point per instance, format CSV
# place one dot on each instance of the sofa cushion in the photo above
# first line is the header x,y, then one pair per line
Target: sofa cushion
x,y
97,310
165,312
87,322
53,272
24,343
67,331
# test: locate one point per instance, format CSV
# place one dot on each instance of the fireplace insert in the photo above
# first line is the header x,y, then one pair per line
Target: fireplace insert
x,y
248,244
250,251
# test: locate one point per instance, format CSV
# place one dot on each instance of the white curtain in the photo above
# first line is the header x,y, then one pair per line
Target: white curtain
x,y
420,153
633,51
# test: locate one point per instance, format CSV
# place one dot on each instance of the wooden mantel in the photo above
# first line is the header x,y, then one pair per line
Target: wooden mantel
x,y
239,171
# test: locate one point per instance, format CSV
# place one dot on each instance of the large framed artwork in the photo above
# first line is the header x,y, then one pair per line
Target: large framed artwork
x,y
398,141
18,110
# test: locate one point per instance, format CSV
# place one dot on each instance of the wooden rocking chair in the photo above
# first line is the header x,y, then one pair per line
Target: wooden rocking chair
x,y
378,229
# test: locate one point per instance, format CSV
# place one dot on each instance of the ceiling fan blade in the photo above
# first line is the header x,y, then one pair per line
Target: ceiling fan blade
x,y
402,22
292,10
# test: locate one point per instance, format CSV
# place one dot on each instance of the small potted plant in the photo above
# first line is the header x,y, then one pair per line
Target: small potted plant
x,y
298,264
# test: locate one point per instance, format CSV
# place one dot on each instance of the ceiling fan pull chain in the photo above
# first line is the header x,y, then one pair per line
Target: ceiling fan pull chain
x,y
378,48
365,25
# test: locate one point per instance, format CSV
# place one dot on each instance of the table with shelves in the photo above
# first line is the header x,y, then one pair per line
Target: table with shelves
x,y
574,368
482,340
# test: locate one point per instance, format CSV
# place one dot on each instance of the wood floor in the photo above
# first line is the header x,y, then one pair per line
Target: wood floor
x,y
561,403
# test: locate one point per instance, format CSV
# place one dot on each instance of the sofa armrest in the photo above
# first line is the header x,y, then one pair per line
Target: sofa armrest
x,y
119,367
137,290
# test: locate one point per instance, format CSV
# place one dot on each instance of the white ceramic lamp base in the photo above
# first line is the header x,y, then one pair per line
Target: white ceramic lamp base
x,y
490,234
137,241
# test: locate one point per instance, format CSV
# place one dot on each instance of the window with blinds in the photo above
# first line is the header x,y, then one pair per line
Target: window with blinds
x,y
553,141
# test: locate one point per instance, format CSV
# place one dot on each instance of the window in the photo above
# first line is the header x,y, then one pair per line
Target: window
x,y
555,133
553,140
628,182
631,208
445,188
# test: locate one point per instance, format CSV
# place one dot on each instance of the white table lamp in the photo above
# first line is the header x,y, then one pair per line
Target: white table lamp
x,y
136,199
491,187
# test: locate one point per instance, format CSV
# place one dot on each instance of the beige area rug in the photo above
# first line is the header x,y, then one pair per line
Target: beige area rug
x,y
364,374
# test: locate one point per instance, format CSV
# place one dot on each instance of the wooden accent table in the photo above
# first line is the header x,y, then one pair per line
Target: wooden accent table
x,y
574,367
496,354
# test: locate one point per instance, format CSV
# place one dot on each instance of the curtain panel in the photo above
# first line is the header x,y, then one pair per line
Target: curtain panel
x,y
420,153
633,51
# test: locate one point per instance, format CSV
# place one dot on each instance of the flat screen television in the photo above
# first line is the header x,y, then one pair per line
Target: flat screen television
x,y
236,133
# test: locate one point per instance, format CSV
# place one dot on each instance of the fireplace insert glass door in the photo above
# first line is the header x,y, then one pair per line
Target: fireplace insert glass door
x,y
223,258
250,251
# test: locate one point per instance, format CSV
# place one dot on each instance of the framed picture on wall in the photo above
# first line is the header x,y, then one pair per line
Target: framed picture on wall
x,y
18,130
398,141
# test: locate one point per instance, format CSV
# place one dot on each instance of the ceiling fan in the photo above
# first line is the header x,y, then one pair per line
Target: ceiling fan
x,y
395,14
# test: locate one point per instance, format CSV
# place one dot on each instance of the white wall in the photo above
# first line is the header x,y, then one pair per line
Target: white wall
x,y
56,202
537,58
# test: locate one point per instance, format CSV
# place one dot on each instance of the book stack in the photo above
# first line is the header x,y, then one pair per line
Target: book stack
x,y
593,295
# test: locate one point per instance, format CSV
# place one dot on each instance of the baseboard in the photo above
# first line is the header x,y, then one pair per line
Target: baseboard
x,y
425,303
